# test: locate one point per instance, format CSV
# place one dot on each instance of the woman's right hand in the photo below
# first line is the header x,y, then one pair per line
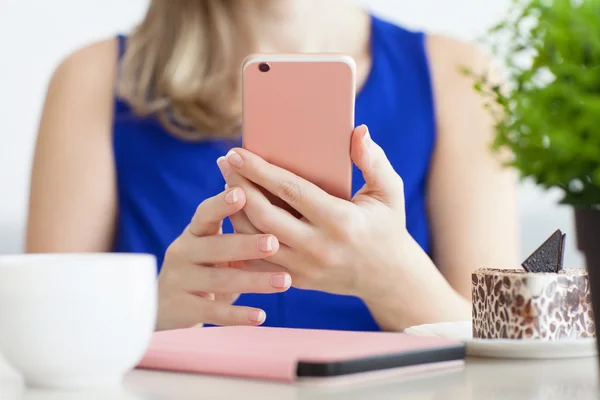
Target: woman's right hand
x,y
202,274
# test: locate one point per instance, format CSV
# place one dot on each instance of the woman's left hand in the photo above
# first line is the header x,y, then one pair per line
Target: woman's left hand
x,y
353,248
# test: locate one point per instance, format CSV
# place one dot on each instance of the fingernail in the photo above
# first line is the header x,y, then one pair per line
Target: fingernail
x,y
257,316
367,138
281,281
234,159
265,244
226,186
223,165
231,197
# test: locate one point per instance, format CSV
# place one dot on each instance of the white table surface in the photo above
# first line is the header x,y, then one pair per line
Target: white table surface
x,y
478,379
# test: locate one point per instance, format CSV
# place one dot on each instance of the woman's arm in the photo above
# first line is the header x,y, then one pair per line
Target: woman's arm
x,y
472,198
472,203
73,196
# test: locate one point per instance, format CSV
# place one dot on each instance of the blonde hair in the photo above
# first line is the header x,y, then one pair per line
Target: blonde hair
x,y
182,64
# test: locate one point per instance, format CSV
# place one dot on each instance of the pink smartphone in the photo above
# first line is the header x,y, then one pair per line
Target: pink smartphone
x,y
298,113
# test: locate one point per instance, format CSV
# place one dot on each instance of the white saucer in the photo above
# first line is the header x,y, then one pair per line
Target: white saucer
x,y
507,348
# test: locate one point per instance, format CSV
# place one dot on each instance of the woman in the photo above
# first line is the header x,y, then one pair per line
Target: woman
x,y
132,128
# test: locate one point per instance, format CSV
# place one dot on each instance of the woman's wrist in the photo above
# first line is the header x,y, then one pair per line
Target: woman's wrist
x,y
424,296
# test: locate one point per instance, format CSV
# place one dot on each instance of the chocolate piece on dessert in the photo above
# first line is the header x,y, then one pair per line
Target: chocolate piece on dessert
x,y
549,256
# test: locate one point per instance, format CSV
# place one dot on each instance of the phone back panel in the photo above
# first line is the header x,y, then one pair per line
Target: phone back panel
x,y
300,116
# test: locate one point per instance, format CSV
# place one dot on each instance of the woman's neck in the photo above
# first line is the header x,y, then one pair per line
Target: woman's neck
x,y
308,26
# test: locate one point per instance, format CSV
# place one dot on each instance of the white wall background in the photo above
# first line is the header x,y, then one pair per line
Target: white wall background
x,y
36,34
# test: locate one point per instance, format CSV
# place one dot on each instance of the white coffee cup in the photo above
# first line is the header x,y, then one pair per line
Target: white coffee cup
x,y
70,321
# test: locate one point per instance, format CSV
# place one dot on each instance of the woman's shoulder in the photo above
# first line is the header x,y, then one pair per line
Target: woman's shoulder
x,y
437,46
447,57
394,33
441,55
450,54
82,89
90,68
103,50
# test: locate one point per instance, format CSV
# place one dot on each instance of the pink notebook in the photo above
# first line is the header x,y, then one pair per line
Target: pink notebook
x,y
289,354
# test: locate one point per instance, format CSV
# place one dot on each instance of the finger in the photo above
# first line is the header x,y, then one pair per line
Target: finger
x,y
263,266
196,279
241,224
227,298
307,198
211,212
259,265
381,180
223,314
219,249
287,260
263,215
195,310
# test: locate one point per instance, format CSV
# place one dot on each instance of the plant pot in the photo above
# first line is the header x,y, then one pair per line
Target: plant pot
x,y
587,225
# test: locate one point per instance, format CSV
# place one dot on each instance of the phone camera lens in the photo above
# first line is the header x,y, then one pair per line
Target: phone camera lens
x,y
264,67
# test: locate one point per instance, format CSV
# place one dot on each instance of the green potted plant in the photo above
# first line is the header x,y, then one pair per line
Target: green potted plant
x,y
548,113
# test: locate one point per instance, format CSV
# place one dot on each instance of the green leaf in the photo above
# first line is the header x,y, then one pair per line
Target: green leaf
x,y
551,110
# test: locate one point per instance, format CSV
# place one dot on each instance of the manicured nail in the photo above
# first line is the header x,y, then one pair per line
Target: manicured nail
x,y
226,186
231,197
234,159
281,281
223,165
367,138
265,244
257,316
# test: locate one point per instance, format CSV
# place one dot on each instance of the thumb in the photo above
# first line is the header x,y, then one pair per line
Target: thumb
x,y
381,180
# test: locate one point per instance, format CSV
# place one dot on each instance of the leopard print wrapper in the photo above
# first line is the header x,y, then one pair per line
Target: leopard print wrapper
x,y
515,304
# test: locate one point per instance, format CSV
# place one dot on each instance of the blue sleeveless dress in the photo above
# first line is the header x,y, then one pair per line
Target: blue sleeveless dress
x,y
162,179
